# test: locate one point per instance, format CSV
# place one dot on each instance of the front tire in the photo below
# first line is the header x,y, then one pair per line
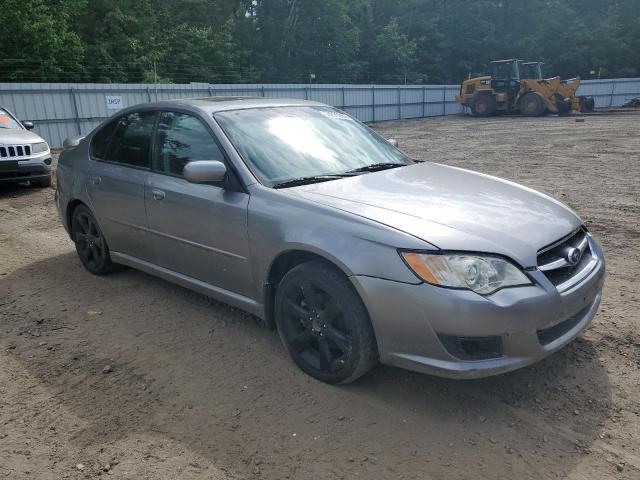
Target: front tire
x,y
587,104
90,243
323,323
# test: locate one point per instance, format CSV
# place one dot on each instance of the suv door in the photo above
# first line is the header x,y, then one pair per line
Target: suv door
x,y
197,230
121,159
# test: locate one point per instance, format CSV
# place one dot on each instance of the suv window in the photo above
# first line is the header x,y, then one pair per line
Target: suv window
x,y
180,139
8,121
131,141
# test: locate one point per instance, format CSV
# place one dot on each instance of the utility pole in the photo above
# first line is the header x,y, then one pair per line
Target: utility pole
x,y
155,78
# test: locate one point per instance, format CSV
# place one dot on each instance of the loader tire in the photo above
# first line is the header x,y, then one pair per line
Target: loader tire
x,y
532,105
564,106
587,104
483,105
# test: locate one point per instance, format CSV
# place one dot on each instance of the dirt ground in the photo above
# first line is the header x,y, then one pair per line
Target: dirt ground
x,y
133,377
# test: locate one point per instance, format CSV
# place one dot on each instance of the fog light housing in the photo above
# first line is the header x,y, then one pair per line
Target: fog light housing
x,y
472,348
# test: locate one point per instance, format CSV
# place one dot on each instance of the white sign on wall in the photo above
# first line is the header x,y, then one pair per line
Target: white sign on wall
x,y
114,102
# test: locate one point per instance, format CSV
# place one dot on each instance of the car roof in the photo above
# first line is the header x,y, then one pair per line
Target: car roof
x,y
221,104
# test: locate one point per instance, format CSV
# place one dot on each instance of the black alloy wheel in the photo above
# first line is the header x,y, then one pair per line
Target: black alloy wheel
x,y
90,243
323,323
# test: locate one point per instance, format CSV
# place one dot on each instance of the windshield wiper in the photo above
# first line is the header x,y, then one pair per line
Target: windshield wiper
x,y
375,167
307,180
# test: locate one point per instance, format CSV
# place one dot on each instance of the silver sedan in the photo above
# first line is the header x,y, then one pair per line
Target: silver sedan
x,y
355,253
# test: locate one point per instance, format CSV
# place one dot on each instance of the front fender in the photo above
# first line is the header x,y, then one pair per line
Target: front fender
x,y
279,222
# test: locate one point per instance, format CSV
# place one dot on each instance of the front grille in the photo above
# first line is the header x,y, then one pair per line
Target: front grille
x,y
548,335
15,151
553,260
472,348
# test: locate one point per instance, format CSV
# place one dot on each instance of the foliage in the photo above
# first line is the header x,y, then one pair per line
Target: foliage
x,y
37,40
290,41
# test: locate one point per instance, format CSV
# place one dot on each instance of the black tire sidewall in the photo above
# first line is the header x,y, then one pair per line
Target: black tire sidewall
x,y
364,350
105,265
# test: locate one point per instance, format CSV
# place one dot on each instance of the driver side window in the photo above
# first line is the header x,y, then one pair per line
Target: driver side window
x,y
180,139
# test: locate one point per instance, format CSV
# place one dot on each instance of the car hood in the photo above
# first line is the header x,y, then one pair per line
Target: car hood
x,y
452,209
15,136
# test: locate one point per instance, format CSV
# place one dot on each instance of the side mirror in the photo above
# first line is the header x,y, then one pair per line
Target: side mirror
x,y
393,142
27,125
204,171
71,142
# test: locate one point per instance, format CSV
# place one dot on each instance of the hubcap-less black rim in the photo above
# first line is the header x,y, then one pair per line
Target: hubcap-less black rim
x,y
316,329
89,241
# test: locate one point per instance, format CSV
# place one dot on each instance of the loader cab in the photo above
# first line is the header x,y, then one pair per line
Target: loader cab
x,y
532,71
505,79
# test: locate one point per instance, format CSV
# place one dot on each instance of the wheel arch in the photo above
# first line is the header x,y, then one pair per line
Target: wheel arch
x,y
71,208
283,263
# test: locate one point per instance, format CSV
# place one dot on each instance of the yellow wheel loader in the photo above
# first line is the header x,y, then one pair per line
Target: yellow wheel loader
x,y
566,89
506,91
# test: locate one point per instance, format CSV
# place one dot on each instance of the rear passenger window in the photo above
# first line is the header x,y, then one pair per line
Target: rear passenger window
x,y
180,139
131,142
101,140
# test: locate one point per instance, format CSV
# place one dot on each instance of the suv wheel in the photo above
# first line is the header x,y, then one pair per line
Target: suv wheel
x,y
323,323
90,243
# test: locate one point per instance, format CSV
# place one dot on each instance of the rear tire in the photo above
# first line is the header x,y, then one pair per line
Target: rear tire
x,y
323,323
483,105
41,182
587,104
91,245
564,106
532,105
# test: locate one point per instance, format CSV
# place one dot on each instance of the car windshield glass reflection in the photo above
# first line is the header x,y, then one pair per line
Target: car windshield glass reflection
x,y
285,143
7,121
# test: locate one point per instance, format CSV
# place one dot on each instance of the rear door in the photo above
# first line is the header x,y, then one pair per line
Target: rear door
x,y
197,230
121,160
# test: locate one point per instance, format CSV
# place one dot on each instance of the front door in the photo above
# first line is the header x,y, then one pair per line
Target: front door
x,y
197,230
121,158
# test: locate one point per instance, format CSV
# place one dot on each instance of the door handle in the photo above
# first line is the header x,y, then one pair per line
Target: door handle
x,y
95,179
157,194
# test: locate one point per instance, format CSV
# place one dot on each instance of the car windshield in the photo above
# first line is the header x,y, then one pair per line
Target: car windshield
x,y
281,144
7,121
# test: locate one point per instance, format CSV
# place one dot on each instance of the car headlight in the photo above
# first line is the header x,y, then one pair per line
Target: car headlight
x,y
39,147
483,274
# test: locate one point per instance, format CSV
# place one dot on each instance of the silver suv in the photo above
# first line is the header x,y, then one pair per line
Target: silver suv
x,y
24,156
305,217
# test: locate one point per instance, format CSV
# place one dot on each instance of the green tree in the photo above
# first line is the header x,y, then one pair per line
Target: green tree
x,y
435,41
37,41
393,55
294,38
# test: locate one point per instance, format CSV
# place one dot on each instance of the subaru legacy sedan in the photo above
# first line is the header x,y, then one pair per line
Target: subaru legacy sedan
x,y
355,253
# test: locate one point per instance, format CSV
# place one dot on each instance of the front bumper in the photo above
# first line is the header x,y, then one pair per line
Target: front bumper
x,y
15,171
411,322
